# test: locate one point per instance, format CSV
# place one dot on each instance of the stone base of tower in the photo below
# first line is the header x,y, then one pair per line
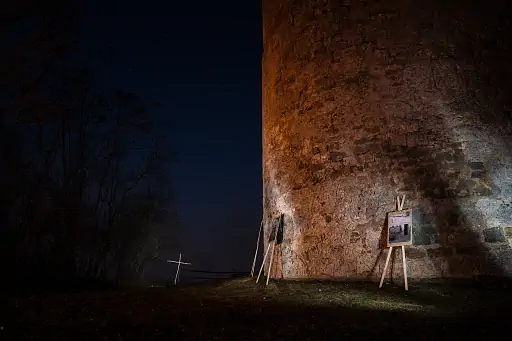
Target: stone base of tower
x,y
330,246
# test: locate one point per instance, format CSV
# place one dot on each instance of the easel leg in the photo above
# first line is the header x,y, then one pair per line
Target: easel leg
x,y
263,263
385,267
256,252
271,258
405,268
392,264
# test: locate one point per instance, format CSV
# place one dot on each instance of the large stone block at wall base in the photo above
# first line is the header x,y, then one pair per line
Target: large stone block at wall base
x,y
364,101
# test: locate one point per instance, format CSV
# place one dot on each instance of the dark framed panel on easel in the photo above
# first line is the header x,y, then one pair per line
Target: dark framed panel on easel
x,y
276,235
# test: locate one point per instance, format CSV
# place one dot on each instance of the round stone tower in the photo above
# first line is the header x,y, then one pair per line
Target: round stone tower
x,y
367,100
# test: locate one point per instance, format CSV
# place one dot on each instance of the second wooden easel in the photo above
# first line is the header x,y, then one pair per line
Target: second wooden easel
x,y
275,238
400,207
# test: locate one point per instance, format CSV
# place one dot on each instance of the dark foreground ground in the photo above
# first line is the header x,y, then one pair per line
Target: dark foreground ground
x,y
242,310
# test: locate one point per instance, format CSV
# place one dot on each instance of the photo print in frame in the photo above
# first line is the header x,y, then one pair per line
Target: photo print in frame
x,y
399,228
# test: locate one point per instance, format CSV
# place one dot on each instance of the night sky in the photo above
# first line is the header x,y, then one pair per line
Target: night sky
x,y
201,61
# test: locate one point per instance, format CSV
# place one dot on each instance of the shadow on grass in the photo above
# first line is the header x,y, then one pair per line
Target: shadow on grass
x,y
243,311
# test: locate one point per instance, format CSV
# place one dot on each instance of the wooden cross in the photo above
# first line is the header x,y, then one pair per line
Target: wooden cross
x,y
179,262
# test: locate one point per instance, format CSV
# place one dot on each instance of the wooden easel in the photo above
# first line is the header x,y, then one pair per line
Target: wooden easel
x,y
273,241
273,244
400,206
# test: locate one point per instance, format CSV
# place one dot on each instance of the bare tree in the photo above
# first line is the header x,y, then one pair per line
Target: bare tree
x,y
78,190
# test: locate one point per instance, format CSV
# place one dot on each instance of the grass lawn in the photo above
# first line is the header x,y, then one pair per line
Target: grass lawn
x,y
239,309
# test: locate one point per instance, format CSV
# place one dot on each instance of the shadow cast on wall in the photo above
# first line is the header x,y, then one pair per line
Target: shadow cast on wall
x,y
462,175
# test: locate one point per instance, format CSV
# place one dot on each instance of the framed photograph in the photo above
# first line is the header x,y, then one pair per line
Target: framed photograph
x,y
400,228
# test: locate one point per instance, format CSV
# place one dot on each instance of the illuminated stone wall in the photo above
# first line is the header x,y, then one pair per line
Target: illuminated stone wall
x,y
366,100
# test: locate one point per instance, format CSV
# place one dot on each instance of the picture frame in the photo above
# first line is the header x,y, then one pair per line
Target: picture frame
x,y
399,229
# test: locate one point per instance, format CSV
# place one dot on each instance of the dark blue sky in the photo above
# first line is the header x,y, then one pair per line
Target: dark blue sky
x,y
201,60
